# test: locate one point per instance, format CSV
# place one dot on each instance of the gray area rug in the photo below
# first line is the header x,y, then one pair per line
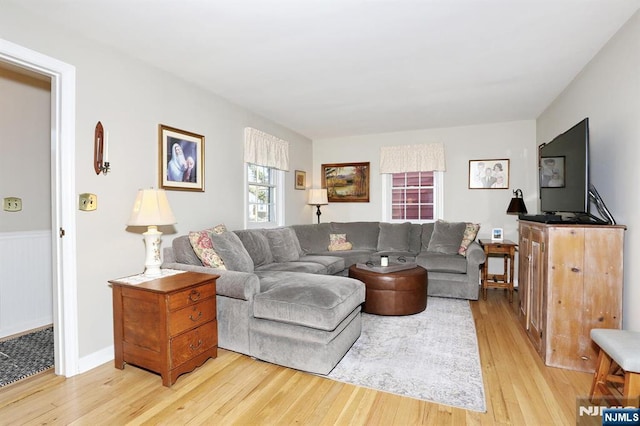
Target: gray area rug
x,y
26,355
431,356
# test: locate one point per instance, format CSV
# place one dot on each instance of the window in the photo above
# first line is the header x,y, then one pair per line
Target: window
x,y
265,197
413,197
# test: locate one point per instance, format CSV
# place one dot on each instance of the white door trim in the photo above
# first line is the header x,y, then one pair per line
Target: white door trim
x,y
63,112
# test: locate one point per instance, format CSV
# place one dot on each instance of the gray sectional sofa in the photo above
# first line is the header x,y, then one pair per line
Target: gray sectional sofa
x,y
284,297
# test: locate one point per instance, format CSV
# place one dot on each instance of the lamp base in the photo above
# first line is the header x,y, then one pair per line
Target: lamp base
x,y
153,260
318,212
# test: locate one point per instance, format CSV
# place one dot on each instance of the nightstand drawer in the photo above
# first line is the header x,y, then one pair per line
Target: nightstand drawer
x,y
188,345
190,296
192,316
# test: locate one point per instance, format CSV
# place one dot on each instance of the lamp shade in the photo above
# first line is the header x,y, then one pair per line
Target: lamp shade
x,y
151,208
516,206
318,197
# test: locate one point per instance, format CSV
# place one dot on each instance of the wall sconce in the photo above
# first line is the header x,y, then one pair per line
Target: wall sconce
x,y
516,206
151,209
101,150
318,197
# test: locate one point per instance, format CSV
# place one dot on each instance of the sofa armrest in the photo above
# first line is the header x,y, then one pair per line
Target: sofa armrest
x,y
234,284
475,255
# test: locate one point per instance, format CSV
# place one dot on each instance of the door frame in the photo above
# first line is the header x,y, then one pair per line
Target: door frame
x,y
63,219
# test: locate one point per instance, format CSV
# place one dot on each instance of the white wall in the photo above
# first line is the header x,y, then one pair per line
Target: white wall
x,y
607,91
131,99
25,139
513,140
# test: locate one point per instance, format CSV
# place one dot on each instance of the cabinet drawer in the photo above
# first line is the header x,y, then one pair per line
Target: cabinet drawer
x,y
500,249
192,316
193,343
190,296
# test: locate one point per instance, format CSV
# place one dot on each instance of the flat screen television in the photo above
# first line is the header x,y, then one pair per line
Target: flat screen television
x,y
564,172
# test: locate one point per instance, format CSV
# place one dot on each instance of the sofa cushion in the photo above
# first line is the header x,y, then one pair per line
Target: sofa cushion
x,y
203,247
257,245
332,264
232,252
393,236
440,262
284,244
362,235
313,238
183,251
427,232
446,237
316,301
295,266
470,233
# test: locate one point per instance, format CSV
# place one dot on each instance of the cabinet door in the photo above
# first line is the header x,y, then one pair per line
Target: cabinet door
x,y
524,271
535,324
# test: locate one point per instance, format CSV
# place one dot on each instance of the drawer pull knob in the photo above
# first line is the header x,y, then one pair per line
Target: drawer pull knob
x,y
193,348
196,318
194,296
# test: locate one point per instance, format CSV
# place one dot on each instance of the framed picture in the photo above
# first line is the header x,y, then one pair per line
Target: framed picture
x,y
346,182
488,174
181,165
552,172
301,179
496,234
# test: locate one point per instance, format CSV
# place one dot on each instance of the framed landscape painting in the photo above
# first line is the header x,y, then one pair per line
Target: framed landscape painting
x,y
346,182
181,159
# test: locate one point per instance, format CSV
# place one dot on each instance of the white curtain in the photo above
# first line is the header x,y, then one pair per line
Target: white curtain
x,y
266,150
412,158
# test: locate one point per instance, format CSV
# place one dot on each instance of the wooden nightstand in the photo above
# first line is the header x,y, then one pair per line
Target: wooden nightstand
x,y
167,325
506,249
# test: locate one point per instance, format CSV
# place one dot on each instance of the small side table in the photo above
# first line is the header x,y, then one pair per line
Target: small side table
x,y
506,249
165,324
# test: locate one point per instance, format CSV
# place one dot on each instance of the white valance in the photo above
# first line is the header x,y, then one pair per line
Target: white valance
x,y
266,150
412,158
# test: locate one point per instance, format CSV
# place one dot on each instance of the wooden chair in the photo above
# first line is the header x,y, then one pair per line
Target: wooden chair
x,y
617,375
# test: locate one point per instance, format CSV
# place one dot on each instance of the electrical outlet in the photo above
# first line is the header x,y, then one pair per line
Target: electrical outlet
x,y
12,204
87,202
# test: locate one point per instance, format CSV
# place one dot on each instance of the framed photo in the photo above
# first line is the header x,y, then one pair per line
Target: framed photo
x,y
301,179
181,165
488,174
346,182
496,234
552,172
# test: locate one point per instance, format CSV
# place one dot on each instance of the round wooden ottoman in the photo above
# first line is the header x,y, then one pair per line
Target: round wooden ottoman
x,y
393,293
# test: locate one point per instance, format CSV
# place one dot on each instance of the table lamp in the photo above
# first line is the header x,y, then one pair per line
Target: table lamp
x,y
318,197
152,209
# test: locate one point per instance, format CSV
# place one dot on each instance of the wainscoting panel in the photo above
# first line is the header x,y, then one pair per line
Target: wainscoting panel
x,y
26,287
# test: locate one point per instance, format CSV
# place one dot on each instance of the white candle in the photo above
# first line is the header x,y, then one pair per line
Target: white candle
x,y
105,149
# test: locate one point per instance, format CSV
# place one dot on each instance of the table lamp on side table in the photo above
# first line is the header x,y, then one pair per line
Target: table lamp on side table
x,y
152,209
318,197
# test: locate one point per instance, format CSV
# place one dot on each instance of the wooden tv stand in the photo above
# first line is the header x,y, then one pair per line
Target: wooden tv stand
x,y
570,281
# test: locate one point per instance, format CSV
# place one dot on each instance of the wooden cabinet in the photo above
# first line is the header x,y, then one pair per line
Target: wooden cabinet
x,y
570,281
167,325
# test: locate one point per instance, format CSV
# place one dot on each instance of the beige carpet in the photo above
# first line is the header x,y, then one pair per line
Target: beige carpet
x,y
431,356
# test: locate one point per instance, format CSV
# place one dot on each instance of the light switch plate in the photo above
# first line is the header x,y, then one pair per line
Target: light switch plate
x,y
87,202
12,204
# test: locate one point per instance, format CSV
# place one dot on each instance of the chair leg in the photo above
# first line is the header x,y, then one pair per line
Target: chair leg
x,y
631,385
600,376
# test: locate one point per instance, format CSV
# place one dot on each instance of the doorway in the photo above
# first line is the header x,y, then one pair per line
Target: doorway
x,y
63,226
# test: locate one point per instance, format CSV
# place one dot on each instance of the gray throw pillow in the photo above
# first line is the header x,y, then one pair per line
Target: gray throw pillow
x,y
394,236
284,244
446,237
257,246
232,252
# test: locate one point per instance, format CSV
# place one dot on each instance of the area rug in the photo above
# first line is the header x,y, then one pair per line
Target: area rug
x,y
431,356
26,355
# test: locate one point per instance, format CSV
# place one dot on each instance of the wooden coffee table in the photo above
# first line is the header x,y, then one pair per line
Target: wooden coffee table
x,y
393,293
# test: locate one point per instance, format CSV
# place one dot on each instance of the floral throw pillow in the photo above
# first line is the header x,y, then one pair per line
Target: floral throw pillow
x,y
470,232
203,246
338,242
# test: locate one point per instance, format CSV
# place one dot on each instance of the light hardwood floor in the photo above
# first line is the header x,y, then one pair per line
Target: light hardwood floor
x,y
235,389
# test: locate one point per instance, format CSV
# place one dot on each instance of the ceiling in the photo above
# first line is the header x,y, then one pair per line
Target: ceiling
x,y
328,68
